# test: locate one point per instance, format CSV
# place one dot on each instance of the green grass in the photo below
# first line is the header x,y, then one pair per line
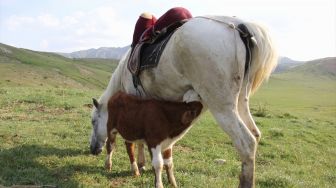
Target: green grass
x,y
21,67
45,129
44,140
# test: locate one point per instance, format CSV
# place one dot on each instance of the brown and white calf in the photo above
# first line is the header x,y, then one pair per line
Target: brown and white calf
x,y
157,123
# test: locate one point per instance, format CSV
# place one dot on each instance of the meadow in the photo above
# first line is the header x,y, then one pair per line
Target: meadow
x,y
45,128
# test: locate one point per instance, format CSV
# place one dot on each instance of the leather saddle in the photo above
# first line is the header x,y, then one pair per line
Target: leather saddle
x,y
146,54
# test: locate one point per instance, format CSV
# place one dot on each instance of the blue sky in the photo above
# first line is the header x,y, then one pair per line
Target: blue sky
x,y
303,29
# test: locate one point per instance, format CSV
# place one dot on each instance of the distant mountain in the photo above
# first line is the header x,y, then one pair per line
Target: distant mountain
x,y
319,67
103,53
285,63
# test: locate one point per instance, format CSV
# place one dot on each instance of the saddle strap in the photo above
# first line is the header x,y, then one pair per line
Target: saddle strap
x,y
134,64
246,37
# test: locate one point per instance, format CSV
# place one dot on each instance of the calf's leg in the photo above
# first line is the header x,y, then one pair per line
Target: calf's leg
x,y
110,146
130,147
168,164
141,157
157,162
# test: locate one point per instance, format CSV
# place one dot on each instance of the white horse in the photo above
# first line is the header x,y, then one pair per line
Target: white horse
x,y
207,55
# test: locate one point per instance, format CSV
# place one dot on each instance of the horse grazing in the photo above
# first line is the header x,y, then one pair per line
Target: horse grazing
x,y
157,123
208,55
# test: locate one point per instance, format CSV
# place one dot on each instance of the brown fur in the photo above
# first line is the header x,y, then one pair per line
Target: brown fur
x,y
151,120
167,153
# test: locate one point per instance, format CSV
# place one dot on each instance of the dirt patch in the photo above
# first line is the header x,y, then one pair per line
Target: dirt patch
x,y
88,105
84,71
117,182
181,148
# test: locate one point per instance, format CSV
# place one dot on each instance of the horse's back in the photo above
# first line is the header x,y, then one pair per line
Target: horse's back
x,y
209,51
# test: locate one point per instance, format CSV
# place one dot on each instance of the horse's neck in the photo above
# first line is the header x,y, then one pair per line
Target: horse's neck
x,y
114,84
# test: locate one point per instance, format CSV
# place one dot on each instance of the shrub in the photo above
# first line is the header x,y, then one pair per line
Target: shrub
x,y
261,111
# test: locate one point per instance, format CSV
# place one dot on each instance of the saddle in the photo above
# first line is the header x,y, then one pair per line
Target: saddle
x,y
146,54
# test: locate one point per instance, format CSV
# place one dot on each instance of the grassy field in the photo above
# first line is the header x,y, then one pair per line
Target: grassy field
x,y
44,134
22,67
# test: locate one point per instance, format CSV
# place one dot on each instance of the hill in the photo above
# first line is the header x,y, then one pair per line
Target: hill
x,y
286,63
320,67
22,67
103,52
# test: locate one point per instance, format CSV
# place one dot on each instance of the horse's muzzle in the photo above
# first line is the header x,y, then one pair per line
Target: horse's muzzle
x,y
95,150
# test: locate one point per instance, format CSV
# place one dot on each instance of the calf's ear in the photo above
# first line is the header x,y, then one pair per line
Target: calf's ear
x,y
95,103
188,117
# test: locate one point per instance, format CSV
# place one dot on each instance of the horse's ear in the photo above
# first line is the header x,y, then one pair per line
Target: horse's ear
x,y
95,103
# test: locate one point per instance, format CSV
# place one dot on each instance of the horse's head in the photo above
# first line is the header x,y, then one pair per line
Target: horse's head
x,y
99,120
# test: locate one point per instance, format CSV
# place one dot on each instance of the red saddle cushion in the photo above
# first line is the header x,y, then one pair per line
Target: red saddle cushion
x,y
145,28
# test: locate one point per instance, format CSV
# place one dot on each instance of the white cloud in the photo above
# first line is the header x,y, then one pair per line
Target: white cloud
x,y
15,21
44,44
101,26
98,27
304,29
48,20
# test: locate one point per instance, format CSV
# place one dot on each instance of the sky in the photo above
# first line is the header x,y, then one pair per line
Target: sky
x,y
303,29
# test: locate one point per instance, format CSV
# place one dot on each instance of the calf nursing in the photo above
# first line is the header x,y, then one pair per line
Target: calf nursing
x,y
157,123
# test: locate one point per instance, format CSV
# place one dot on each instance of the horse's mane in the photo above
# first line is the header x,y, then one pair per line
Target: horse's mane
x,y
115,81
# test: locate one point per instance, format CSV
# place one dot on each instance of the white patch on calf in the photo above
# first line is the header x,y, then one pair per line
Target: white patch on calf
x,y
169,142
157,160
168,161
157,163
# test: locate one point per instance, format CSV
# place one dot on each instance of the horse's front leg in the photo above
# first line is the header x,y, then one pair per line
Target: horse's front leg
x,y
130,147
168,164
157,162
110,146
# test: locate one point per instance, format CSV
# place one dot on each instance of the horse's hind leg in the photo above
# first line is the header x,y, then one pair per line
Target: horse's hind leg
x,y
110,146
141,157
244,111
221,99
168,164
130,147
243,141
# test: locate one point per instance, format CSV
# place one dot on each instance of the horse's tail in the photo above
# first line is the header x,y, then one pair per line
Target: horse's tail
x,y
264,56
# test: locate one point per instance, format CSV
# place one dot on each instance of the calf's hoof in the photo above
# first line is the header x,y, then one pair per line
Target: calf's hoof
x,y
142,169
136,173
108,166
159,186
174,185
135,169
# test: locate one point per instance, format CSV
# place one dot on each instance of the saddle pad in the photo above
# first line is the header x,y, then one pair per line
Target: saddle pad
x,y
150,53
147,54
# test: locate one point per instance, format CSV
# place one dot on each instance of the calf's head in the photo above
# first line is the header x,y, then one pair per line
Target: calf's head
x,y
193,110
